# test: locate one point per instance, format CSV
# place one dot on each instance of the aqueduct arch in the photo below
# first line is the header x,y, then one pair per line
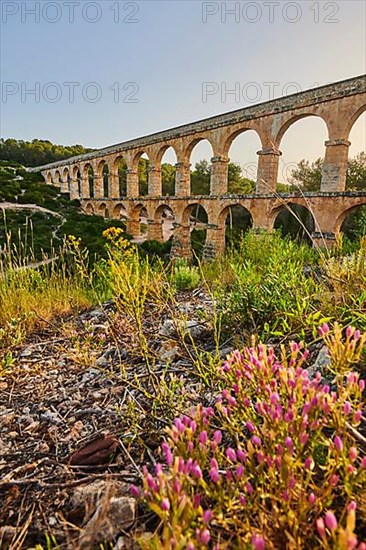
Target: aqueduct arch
x,y
339,221
339,105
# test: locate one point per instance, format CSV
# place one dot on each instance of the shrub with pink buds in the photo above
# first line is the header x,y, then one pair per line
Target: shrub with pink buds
x,y
280,462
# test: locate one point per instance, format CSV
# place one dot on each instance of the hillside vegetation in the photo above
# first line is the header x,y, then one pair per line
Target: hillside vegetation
x,y
37,234
36,152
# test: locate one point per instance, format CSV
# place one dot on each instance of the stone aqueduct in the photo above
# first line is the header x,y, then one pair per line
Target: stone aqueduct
x,y
339,105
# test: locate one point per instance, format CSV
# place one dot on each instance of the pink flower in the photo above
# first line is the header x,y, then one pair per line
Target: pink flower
x,y
311,498
274,399
231,400
167,454
214,475
309,463
250,426
289,415
179,425
347,407
256,441
338,443
177,486
135,491
214,463
363,462
260,457
334,480
258,542
353,453
196,500
352,506
225,393
331,521
324,329
165,504
321,527
196,470
352,378
230,453
217,436
240,471
242,455
188,466
207,516
357,416
204,536
181,465
202,438
151,482
288,442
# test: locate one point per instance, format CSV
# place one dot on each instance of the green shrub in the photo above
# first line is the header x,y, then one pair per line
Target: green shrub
x,y
186,277
271,294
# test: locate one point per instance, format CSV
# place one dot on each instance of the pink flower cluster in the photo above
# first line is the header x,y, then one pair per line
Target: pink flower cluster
x,y
272,454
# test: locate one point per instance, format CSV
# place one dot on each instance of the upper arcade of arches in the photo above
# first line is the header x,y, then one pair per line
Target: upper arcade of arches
x,y
289,120
338,105
355,116
341,218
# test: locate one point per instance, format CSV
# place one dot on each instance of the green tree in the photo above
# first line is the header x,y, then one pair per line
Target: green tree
x,y
168,179
200,178
307,175
37,152
356,173
237,183
143,176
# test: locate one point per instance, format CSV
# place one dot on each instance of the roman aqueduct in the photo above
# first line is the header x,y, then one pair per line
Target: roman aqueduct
x,y
94,178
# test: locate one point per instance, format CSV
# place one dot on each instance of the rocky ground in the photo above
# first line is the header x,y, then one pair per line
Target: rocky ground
x,y
86,380
82,408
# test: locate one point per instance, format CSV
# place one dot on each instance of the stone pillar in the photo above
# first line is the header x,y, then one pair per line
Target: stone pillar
x,y
114,185
261,218
267,170
215,242
74,189
219,175
183,179
335,165
64,185
85,191
132,183
323,239
154,182
181,246
133,227
98,186
154,231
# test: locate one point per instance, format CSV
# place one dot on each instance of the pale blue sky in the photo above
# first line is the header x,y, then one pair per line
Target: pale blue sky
x,y
169,53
